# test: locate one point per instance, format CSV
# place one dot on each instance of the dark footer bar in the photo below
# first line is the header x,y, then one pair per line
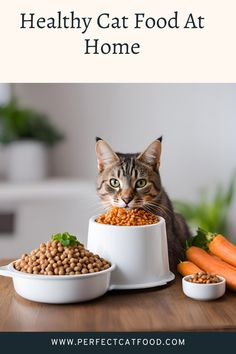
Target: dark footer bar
x,y
131,342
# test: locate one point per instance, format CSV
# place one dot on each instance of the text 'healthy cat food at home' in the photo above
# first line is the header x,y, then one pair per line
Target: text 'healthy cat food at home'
x,y
127,217
64,255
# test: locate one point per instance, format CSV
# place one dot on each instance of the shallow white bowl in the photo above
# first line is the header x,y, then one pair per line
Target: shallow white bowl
x,y
203,291
59,289
139,252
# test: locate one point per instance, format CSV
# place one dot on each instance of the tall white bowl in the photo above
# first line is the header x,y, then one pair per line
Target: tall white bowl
x,y
139,252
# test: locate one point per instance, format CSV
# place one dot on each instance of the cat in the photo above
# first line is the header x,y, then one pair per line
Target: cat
x,y
133,181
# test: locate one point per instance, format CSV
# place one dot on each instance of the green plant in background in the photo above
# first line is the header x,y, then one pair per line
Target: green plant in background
x,y
18,123
209,213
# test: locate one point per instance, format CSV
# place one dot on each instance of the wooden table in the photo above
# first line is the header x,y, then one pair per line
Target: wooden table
x,y
158,309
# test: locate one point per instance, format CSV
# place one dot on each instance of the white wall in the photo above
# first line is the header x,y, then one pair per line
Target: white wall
x,y
198,122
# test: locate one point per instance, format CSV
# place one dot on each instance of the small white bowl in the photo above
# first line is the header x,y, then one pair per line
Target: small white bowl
x,y
203,291
59,289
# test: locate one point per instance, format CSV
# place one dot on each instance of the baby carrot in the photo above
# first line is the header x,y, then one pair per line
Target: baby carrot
x,y
223,249
211,264
187,268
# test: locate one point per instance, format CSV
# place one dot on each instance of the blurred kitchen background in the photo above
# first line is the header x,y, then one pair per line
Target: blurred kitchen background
x,y
49,187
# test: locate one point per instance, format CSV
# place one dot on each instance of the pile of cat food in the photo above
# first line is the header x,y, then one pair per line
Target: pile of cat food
x,y
204,278
63,255
127,217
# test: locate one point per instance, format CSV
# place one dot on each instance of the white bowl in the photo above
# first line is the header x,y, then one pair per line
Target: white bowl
x,y
203,291
139,252
59,289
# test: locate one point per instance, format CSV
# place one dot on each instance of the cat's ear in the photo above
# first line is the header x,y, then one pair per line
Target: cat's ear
x,y
105,154
152,154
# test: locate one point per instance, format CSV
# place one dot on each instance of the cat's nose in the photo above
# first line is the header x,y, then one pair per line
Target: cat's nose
x,y
126,199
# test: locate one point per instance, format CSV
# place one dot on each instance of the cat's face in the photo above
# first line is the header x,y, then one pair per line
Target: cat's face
x,y
128,180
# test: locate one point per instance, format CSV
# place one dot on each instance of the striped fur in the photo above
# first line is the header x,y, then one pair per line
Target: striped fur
x,y
127,169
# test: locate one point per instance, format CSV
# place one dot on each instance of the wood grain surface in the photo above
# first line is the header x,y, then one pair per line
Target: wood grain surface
x,y
158,309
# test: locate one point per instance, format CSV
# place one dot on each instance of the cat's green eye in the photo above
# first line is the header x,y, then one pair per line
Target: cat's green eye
x,y
141,183
114,183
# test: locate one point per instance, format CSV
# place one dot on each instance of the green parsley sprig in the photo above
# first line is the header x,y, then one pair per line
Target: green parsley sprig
x,y
65,239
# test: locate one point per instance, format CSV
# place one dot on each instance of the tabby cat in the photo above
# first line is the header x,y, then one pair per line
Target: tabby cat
x,y
133,181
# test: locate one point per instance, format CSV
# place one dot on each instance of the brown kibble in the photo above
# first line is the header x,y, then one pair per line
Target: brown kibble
x,y
29,270
204,278
53,259
84,271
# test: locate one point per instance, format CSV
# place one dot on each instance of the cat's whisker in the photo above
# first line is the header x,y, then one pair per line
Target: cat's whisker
x,y
99,207
155,208
156,204
98,210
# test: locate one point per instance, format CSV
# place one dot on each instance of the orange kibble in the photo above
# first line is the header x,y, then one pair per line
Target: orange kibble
x,y
127,217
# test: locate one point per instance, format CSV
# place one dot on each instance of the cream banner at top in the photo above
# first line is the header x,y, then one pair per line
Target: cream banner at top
x,y
118,41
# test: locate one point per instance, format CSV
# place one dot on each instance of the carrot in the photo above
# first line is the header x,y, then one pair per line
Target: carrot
x,y
223,249
223,262
216,244
187,268
212,265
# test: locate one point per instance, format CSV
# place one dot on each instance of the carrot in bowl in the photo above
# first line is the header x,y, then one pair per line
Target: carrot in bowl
x,y
211,264
187,268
